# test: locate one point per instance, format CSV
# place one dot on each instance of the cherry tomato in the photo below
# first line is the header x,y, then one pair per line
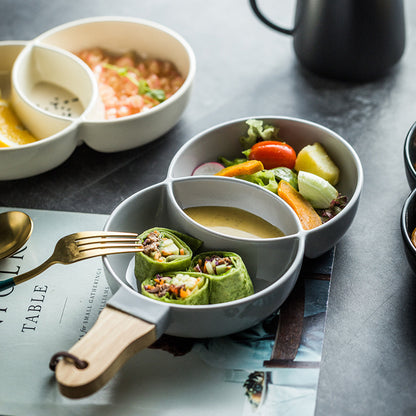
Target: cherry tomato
x,y
273,154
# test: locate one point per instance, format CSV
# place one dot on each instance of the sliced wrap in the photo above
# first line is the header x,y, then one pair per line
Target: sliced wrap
x,y
229,278
164,251
184,288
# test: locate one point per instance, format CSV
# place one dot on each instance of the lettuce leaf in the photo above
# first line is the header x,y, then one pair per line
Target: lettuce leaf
x,y
228,162
257,132
286,174
264,178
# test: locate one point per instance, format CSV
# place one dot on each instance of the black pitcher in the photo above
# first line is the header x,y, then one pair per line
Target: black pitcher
x,y
346,39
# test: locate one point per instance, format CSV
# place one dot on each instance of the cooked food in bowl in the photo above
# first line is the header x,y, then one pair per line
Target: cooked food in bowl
x,y
184,288
164,250
130,84
170,271
228,276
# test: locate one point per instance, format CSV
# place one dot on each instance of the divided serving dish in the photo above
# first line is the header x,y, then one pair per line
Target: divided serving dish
x,y
273,264
50,59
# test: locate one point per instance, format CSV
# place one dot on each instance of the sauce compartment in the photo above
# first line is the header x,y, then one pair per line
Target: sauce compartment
x,y
51,90
30,159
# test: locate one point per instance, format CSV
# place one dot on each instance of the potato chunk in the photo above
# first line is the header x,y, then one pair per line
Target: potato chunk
x,y
313,158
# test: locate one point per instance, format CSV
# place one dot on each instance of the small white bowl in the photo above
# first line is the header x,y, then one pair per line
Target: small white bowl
x,y
120,35
223,140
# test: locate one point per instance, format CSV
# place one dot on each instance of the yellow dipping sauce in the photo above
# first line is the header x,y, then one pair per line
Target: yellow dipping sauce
x,y
12,132
233,221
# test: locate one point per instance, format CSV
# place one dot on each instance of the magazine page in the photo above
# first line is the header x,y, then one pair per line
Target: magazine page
x,y
254,372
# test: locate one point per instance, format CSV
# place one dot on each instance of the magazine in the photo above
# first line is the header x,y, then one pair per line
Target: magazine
x,y
253,372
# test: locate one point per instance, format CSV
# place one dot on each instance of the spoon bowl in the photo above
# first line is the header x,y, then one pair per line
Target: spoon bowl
x,y
15,229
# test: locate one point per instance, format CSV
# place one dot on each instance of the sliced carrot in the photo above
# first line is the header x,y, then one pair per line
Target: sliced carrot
x,y
181,251
245,168
184,293
308,217
174,289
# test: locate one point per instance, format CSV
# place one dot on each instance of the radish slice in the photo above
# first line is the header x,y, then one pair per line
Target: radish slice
x,y
209,168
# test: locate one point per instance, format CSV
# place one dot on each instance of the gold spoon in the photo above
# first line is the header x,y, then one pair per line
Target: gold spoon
x,y
15,230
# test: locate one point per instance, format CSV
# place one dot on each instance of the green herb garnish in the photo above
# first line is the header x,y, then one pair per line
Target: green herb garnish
x,y
141,84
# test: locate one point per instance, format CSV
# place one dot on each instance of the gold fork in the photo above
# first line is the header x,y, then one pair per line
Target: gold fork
x,y
81,246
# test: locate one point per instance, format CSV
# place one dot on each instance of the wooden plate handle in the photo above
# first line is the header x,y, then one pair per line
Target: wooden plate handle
x,y
114,338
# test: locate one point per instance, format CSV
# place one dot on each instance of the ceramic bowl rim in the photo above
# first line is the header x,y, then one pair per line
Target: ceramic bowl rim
x,y
410,135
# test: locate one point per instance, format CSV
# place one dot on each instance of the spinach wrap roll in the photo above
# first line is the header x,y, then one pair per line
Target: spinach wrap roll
x,y
163,251
229,278
184,288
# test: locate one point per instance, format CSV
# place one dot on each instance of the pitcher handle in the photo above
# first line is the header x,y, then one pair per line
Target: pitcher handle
x,y
267,22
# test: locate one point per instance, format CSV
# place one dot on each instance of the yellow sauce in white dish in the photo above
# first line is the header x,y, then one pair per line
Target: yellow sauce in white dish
x,y
233,221
12,131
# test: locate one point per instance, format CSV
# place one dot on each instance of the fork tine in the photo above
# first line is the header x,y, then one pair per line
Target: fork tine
x,y
106,245
107,251
94,237
106,241
102,234
80,246
90,241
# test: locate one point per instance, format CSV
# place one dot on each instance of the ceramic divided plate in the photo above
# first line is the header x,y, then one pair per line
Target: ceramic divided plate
x,y
273,264
51,84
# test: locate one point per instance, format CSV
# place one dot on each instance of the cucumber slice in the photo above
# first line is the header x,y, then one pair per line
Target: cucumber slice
x,y
169,246
318,191
210,269
220,269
